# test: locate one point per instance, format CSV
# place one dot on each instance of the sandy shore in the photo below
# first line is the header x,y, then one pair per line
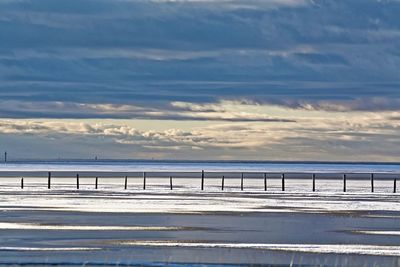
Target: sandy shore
x,y
186,225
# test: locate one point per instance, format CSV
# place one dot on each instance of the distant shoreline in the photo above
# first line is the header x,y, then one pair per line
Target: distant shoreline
x,y
113,161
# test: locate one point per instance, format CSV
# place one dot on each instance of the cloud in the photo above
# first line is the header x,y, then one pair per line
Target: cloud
x,y
314,58
223,111
350,136
125,52
366,104
113,53
238,4
268,69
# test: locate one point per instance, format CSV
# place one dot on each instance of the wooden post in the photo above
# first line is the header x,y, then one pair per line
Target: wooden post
x,y
126,182
96,182
202,180
241,182
144,180
283,182
223,183
22,183
313,182
49,180
170,182
344,182
77,181
394,185
372,182
265,182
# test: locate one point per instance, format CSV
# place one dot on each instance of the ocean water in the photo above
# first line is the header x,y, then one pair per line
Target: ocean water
x,y
187,226
193,166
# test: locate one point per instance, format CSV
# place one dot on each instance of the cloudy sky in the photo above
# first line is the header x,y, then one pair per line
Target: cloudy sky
x,y
200,79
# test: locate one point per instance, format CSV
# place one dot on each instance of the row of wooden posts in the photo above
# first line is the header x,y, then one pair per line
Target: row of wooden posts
x,y
223,182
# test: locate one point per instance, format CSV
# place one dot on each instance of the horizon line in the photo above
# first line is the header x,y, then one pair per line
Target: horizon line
x,y
77,160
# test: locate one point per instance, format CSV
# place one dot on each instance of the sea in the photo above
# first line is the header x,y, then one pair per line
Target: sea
x,y
195,166
230,223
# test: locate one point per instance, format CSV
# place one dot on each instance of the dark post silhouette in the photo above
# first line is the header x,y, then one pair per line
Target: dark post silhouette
x,y
5,156
265,182
144,180
202,180
241,182
394,185
49,180
223,183
283,182
77,181
22,183
96,182
344,182
372,182
313,182
126,182
170,182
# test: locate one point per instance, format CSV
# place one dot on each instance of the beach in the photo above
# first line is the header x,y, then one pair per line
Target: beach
x,y
188,226
191,133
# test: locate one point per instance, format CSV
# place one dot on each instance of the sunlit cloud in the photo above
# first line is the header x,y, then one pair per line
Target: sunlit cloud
x,y
221,111
313,133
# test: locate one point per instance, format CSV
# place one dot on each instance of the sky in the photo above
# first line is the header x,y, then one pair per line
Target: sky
x,y
200,79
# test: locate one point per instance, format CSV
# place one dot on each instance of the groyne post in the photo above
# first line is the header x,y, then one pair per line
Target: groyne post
x,y
372,182
394,185
96,182
170,182
313,182
126,182
77,181
241,182
49,180
344,182
144,180
202,180
223,183
22,183
265,181
283,182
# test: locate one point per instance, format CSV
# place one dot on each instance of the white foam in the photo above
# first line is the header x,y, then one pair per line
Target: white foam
x,y
306,248
376,232
188,200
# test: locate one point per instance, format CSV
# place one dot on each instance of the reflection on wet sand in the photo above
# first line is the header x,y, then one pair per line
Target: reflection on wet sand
x,y
31,226
308,248
184,226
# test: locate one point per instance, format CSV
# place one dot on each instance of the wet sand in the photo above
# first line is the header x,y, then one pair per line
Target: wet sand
x,y
127,227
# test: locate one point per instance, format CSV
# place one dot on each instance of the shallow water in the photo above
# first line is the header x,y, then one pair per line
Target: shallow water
x,y
173,166
205,234
111,226
188,226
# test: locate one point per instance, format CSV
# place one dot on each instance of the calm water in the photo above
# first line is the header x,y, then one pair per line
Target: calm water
x,y
48,232
169,166
87,227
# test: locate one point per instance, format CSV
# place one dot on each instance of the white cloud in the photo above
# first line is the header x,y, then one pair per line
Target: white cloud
x,y
241,4
314,131
220,111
